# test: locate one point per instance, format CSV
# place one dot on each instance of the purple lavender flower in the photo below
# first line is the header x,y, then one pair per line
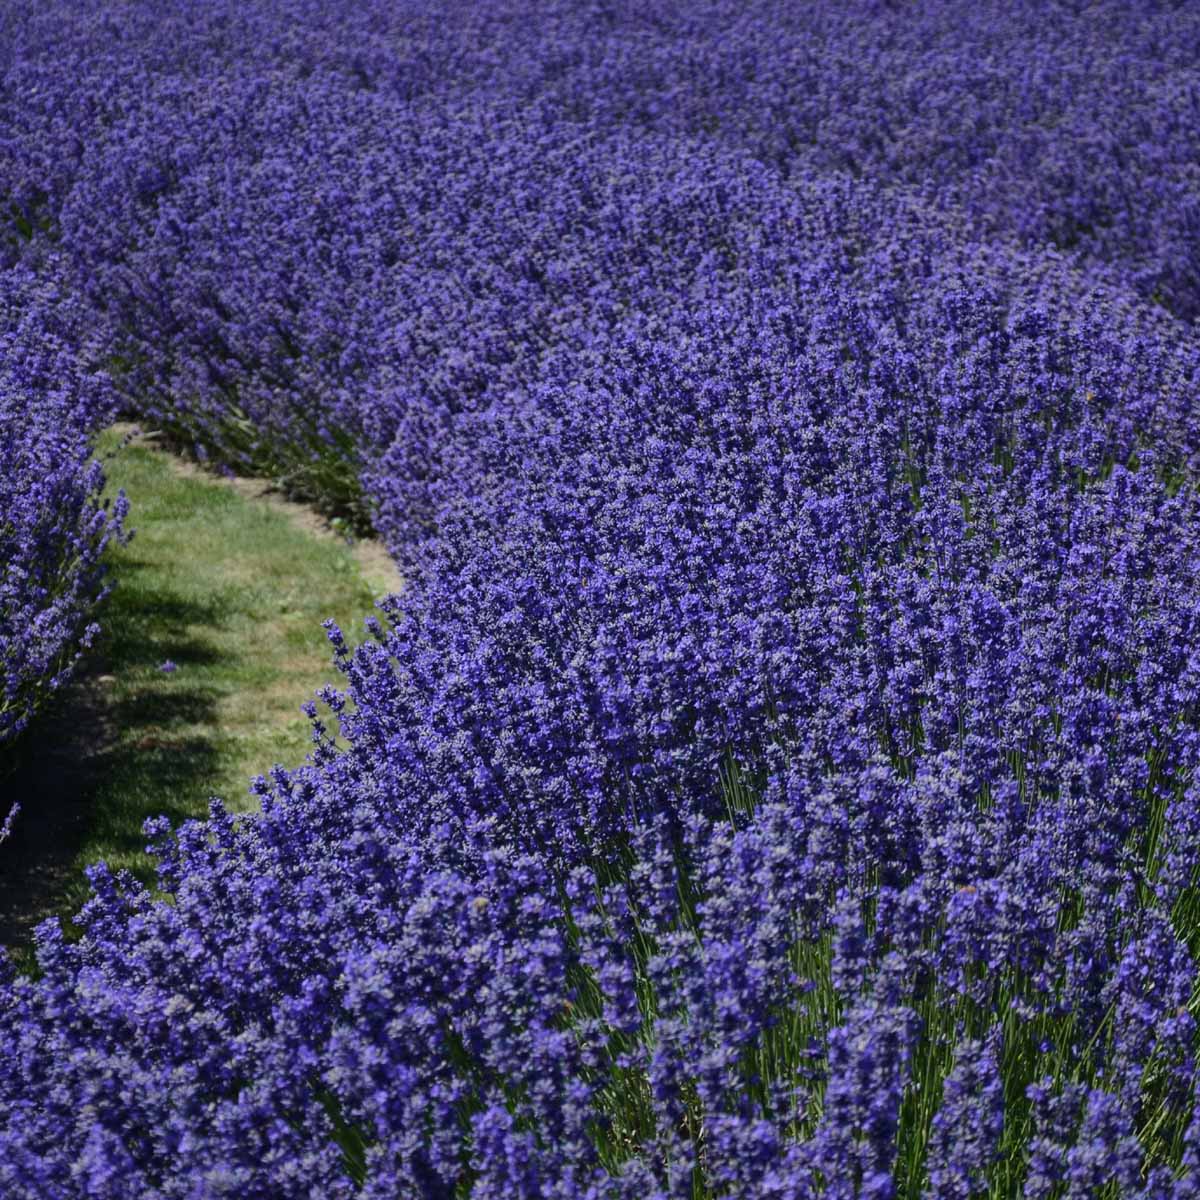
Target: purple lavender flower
x,y
53,529
778,774
967,1127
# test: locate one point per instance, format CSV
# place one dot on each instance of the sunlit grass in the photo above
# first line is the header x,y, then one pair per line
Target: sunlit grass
x,y
232,592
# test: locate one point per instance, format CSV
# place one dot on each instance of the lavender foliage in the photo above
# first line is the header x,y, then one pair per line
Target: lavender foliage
x,y
777,777
53,527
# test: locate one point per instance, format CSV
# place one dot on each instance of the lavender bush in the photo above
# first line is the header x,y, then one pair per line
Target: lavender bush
x,y
53,529
325,228
778,777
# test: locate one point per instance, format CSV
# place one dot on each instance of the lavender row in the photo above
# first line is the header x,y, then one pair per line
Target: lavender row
x,y
53,527
778,780
322,228
778,777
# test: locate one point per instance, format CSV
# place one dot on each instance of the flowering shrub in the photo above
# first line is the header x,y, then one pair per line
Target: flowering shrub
x,y
53,529
326,227
778,777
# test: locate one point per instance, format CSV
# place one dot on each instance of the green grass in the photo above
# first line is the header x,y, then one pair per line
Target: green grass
x,y
233,591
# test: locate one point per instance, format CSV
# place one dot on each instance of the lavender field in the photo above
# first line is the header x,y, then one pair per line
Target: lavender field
x,y
778,776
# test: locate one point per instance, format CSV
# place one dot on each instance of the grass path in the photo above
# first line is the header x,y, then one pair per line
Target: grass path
x,y
230,586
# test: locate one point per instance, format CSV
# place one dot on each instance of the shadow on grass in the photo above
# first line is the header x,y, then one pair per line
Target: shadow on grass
x,y
101,761
230,590
146,620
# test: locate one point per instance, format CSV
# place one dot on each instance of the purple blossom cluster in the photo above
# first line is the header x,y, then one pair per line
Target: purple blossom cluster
x,y
778,776
326,228
53,527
